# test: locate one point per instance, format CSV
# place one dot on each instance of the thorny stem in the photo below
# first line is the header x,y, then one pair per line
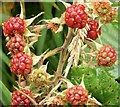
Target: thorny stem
x,y
53,89
63,52
61,63
91,58
52,52
48,54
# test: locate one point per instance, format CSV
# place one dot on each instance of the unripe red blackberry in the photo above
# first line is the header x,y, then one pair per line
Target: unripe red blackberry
x,y
94,30
16,44
57,101
77,95
21,63
106,56
102,8
18,99
14,25
75,16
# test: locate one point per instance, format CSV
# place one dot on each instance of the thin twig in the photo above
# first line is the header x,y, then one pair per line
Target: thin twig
x,y
48,54
53,89
52,52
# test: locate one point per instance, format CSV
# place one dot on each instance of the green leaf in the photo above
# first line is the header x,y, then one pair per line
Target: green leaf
x,y
5,94
116,4
56,6
6,77
3,56
3,17
41,41
102,86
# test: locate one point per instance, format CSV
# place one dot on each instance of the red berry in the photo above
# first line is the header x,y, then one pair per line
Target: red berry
x,y
106,56
75,16
14,25
21,63
77,95
94,30
18,99
16,44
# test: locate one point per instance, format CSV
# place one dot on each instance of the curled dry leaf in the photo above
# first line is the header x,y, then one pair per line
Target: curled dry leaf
x,y
55,24
43,67
36,59
27,33
89,10
69,84
31,43
22,14
29,21
59,29
82,82
78,1
27,50
37,28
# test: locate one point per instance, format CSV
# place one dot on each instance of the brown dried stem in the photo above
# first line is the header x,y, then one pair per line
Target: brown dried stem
x,y
63,52
60,64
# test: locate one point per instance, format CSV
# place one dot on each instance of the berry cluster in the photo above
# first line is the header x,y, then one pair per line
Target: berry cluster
x,y
75,16
19,99
94,30
106,56
14,25
21,63
16,44
77,95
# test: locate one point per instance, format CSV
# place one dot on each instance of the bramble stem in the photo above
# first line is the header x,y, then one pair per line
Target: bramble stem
x,y
68,39
52,52
63,52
